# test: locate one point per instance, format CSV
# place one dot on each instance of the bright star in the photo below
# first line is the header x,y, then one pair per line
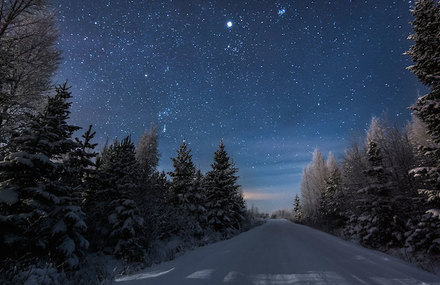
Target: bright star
x,y
229,24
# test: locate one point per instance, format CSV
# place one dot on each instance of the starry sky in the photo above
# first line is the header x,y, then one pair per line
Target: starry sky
x,y
274,79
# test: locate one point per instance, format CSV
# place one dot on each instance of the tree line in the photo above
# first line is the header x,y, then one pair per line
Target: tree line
x,y
385,191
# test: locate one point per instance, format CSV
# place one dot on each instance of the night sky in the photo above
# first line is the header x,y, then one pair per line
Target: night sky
x,y
273,79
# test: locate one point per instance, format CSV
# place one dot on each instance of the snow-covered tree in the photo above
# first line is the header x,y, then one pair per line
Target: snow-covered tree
x,y
374,226
189,194
425,53
28,59
331,198
225,204
198,211
40,209
183,175
312,185
354,165
116,214
297,209
147,152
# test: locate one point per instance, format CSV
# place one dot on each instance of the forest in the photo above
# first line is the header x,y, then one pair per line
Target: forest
x,y
385,191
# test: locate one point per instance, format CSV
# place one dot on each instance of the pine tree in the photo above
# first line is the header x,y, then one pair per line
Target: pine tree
x,y
297,209
42,210
225,203
187,192
116,213
425,53
198,210
375,225
331,197
183,175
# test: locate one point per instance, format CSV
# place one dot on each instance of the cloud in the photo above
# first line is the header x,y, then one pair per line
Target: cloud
x,y
253,195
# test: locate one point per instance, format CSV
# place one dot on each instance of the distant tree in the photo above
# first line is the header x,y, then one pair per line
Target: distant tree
x,y
297,209
28,59
225,203
332,198
312,185
147,152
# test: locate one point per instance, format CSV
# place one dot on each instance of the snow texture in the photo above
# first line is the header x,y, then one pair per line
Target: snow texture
x,y
280,252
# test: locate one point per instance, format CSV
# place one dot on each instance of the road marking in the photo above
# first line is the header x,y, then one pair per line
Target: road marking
x,y
147,275
231,276
313,277
201,274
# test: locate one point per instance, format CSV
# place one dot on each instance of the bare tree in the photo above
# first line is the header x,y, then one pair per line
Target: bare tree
x,y
147,152
313,184
28,59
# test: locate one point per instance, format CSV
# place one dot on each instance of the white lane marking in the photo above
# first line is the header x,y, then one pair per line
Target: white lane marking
x,y
201,274
313,277
231,276
146,275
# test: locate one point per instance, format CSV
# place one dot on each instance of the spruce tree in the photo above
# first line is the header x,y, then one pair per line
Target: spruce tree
x,y
186,196
225,204
116,213
375,224
425,53
331,197
42,211
183,174
297,209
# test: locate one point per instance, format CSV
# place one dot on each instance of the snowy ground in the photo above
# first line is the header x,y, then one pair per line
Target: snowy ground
x,y
280,252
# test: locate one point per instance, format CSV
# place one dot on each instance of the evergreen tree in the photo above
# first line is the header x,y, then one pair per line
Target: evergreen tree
x,y
198,210
425,53
116,213
297,209
183,175
331,197
225,204
187,192
40,208
375,225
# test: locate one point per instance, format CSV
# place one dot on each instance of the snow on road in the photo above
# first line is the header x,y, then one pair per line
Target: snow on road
x,y
280,252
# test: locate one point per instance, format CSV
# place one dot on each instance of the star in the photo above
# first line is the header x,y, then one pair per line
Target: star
x,y
281,11
229,24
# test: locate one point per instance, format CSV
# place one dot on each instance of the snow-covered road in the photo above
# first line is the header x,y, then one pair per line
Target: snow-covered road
x,y
280,252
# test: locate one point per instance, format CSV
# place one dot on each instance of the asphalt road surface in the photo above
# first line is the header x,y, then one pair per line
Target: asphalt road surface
x,y
280,252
